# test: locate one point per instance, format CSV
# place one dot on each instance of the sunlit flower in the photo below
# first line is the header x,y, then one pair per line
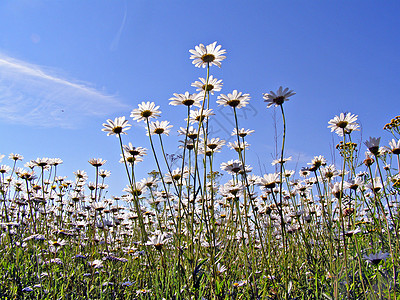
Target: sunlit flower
x,y
4,169
242,132
207,55
281,161
375,185
191,132
55,161
215,144
104,173
118,126
158,241
236,99
395,146
279,97
235,146
373,145
213,85
343,123
232,188
15,156
317,162
41,162
158,127
134,151
186,99
269,181
198,115
97,162
145,111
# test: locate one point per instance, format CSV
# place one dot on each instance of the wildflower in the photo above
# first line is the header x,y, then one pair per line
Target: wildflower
x,y
158,127
15,156
176,174
215,144
186,99
281,161
55,161
236,99
4,169
232,166
232,188
343,123
395,146
58,243
269,181
375,185
104,173
81,175
149,182
135,151
279,97
213,85
117,127
127,283
41,162
199,115
221,268
373,145
240,283
145,111
136,189
207,55
97,162
241,132
375,259
317,162
368,161
96,264
191,132
238,147
1,157
158,241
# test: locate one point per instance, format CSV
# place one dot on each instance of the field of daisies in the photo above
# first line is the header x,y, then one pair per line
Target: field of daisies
x,y
195,229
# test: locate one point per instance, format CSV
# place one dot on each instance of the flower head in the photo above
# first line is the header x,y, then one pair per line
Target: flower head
x,y
118,126
145,111
343,123
236,99
373,145
158,127
279,97
97,162
395,146
207,55
186,99
213,85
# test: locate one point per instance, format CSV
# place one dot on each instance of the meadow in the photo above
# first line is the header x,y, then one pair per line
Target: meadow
x,y
197,230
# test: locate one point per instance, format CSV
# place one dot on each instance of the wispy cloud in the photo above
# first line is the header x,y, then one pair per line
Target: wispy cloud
x,y
34,95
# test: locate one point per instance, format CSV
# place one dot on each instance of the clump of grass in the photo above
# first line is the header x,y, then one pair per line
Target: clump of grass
x,y
187,232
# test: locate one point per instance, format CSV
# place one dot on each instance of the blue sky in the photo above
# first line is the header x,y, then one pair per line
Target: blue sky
x,y
67,66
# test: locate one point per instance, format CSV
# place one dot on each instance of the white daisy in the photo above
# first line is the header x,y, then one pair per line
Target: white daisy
x,y
158,127
236,99
118,126
186,99
346,123
207,55
213,85
279,97
145,111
